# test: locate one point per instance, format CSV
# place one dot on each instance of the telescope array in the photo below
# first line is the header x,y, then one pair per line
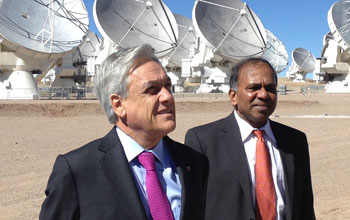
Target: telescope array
x,y
221,33
198,51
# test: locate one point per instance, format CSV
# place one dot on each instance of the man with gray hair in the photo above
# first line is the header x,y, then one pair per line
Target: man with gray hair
x,y
136,171
258,168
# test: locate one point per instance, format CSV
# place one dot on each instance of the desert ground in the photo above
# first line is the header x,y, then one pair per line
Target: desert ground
x,y
33,133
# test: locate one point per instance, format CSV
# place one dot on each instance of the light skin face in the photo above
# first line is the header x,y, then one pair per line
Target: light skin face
x,y
256,97
148,112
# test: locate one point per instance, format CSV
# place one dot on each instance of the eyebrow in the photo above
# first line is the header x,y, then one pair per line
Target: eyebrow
x,y
155,82
259,84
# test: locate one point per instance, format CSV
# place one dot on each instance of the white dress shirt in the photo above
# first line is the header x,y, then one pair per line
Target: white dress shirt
x,y
249,142
166,171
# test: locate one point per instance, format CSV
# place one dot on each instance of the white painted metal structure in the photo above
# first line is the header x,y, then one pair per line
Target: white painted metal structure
x,y
187,44
334,65
184,51
303,63
229,31
34,35
128,23
229,28
222,33
77,67
275,52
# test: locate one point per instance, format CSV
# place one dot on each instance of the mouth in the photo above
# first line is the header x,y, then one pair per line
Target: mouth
x,y
261,106
165,111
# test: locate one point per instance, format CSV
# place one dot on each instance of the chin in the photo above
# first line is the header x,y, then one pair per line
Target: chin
x,y
169,127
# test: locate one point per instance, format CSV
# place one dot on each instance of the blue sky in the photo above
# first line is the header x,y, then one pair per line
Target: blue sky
x,y
297,23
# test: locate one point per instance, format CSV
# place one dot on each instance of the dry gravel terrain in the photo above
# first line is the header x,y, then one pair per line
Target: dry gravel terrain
x,y
33,133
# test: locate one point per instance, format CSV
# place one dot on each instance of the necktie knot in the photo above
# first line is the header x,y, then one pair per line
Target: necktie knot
x,y
147,160
258,133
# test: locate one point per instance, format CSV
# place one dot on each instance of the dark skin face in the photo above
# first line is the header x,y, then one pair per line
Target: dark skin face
x,y
256,97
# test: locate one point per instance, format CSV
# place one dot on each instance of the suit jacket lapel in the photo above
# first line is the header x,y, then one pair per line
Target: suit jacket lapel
x,y
231,138
117,171
283,144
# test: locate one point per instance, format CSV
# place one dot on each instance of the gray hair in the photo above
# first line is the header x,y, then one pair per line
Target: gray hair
x,y
237,69
112,77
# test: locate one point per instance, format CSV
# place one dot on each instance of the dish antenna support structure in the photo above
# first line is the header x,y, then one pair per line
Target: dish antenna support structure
x,y
333,67
31,44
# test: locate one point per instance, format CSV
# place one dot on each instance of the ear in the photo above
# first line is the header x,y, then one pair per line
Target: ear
x,y
233,97
118,105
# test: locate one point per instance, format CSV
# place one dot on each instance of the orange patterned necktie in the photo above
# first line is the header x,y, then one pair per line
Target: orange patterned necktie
x,y
264,188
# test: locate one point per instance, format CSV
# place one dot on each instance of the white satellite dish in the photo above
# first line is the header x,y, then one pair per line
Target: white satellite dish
x,y
187,41
333,66
303,59
275,52
90,45
89,50
83,55
303,63
129,23
183,53
43,28
230,28
34,35
339,22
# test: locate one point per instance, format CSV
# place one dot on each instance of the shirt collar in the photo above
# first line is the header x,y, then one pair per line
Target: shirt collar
x,y
132,149
246,129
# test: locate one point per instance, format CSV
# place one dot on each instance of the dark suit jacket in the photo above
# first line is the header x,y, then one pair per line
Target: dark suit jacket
x,y
229,193
95,182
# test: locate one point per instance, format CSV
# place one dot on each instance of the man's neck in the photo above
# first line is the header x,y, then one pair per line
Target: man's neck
x,y
256,125
145,140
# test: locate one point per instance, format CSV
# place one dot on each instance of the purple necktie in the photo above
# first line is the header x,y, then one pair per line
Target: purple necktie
x,y
157,200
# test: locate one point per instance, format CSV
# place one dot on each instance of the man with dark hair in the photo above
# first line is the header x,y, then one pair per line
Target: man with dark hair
x,y
258,168
136,171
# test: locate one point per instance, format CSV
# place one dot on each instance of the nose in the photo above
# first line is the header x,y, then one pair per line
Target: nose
x,y
165,95
262,93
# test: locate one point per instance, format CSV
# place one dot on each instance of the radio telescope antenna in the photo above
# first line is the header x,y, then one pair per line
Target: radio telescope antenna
x,y
339,22
187,42
230,28
32,44
129,23
177,61
335,58
228,32
21,23
303,63
275,52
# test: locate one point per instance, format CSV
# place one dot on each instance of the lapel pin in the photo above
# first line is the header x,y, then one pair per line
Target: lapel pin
x,y
188,168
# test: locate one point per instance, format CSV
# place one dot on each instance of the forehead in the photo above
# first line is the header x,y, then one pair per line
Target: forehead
x,y
257,71
148,70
